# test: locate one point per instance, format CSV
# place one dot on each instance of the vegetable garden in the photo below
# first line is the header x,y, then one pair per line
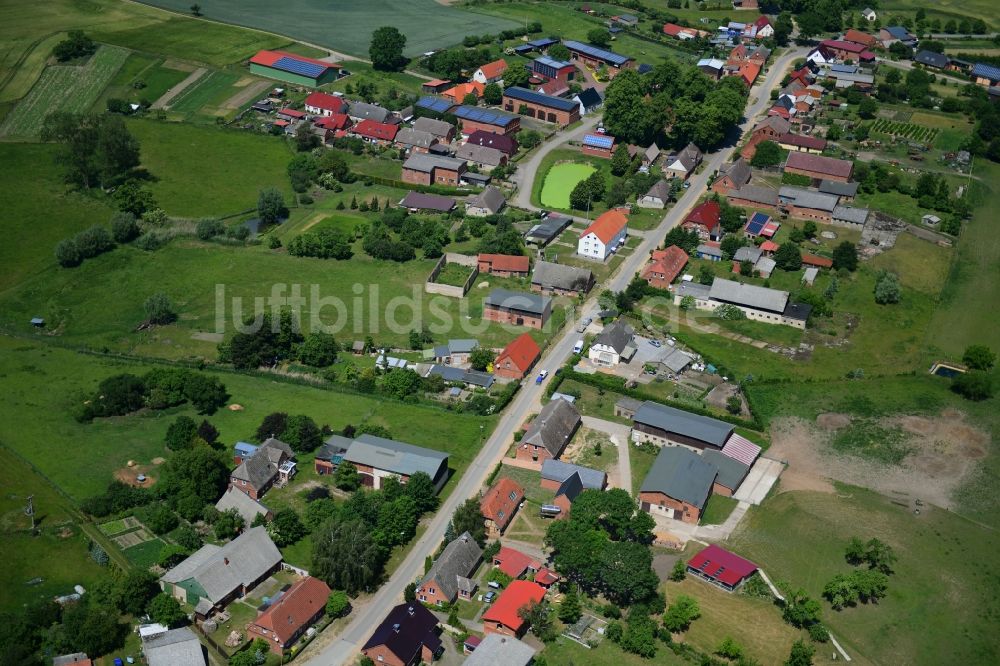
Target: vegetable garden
x,y
909,131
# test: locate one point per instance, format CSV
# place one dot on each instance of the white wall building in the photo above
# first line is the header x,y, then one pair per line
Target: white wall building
x,y
604,236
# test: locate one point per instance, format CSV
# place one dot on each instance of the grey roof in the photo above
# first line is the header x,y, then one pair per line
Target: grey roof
x,y
219,571
277,444
689,157
681,474
415,137
571,487
838,188
452,374
462,345
652,152
677,421
177,647
458,560
426,163
549,228
257,470
491,198
617,335
696,289
660,190
626,403
809,275
756,194
558,276
739,172
710,250
396,457
436,127
808,198
480,154
731,471
762,298
518,300
246,506
850,214
778,124
424,201
500,650
553,426
751,254
67,659
335,445
366,111
559,471
765,265
676,360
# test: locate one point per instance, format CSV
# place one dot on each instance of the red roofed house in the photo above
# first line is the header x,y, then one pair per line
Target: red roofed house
x,y
457,93
336,121
815,260
287,619
704,220
514,563
681,32
818,167
802,143
837,48
760,29
547,577
769,247
504,265
749,71
499,505
517,358
373,132
721,567
768,129
664,267
863,38
603,236
321,104
490,72
503,617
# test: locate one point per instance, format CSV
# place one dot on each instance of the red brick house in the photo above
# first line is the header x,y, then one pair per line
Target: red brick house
x,y
704,220
426,169
517,358
818,167
287,619
517,308
664,266
505,144
448,578
474,118
504,617
842,50
541,106
732,177
862,38
549,433
678,485
255,475
407,636
504,265
768,129
499,505
371,131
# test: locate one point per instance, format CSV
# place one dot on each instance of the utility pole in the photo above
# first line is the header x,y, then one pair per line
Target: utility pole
x,y
29,511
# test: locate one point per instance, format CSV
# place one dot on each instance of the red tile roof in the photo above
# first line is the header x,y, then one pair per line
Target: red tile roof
x,y
829,166
497,504
458,93
859,37
769,246
546,577
749,71
507,262
721,565
513,562
778,111
493,70
268,58
841,45
706,214
292,113
326,102
518,594
335,122
294,609
672,29
668,263
814,260
803,141
375,130
522,353
607,225
761,21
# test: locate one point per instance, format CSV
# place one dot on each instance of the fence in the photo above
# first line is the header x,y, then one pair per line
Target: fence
x,y
454,291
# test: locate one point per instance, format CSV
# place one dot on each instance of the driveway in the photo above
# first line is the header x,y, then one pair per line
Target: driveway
x,y
762,477
619,436
527,169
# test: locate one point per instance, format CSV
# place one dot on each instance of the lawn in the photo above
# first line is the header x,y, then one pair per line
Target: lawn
x,y
531,481
145,554
717,509
800,537
642,459
211,90
941,9
42,383
142,77
208,171
16,82
564,651
63,88
454,274
560,181
346,26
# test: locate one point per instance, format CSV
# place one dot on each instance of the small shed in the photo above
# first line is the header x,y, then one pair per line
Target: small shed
x,y
810,275
37,322
358,347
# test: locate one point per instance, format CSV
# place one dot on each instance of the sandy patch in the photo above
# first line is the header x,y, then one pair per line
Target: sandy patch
x,y
945,451
205,336
159,460
170,63
251,89
130,475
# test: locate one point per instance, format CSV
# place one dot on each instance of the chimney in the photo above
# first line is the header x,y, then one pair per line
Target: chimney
x,y
225,560
465,538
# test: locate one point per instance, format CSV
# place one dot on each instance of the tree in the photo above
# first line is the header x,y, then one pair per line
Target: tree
x,y
346,477
539,617
729,649
481,357
271,206
492,94
346,555
887,289
302,434
706,275
165,610
198,470
421,489
979,357
180,433
870,585
855,551
229,524
68,254
599,37
134,589
159,309
731,243
319,350
124,228
801,654
196,9
386,49
93,241
569,609
306,139
973,385
768,153
879,555
809,229
627,114
286,528
679,572
559,52
620,160
96,149
681,614
639,636
840,591
734,405
845,256
868,108
469,518
337,604
76,45
800,610
788,257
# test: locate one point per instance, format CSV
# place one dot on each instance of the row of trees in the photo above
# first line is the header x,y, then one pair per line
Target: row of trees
x,y
158,389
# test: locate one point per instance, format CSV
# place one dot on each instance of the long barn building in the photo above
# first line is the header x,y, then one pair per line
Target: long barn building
x,y
294,68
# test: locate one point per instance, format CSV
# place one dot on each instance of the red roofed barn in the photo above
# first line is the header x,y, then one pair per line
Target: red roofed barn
x,y
374,132
721,567
499,505
517,358
504,265
818,167
503,617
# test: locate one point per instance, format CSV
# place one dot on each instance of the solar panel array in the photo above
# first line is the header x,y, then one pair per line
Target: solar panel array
x,y
301,67
594,52
599,141
525,95
487,116
756,223
439,104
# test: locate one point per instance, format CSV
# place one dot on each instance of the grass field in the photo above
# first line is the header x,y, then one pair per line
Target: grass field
x,y
42,383
942,9
560,181
210,90
142,70
717,509
145,554
346,26
564,651
63,88
18,80
800,537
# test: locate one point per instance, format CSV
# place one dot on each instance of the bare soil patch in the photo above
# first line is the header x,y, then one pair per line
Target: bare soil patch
x,y
130,475
944,450
251,89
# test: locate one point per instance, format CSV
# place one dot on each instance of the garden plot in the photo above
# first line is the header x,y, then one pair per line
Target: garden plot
x,y
116,527
64,88
133,538
905,130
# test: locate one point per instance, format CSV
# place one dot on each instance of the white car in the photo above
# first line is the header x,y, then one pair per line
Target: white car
x,y
578,347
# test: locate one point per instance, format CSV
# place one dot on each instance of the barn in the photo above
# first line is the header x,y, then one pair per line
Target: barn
x,y
294,68
721,567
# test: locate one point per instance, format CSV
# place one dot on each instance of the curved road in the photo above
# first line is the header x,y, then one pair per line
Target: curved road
x,y
528,400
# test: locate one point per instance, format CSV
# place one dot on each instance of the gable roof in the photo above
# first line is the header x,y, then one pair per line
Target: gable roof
x,y
335,121
739,172
829,166
515,263
778,124
295,608
326,102
803,198
742,449
245,506
493,70
749,295
480,154
424,201
518,300
558,276
851,214
505,144
491,198
177,647
756,194
660,190
553,427
985,71
722,565
590,98
841,45
405,630
501,650
375,130
396,457
559,471
694,426
458,92
610,57
512,561
414,137
519,593
618,335
571,487
485,116
501,500
457,560
541,99
607,225
731,472
436,127
427,163
522,352
802,141
258,470
668,263
680,474
365,111
707,214
859,37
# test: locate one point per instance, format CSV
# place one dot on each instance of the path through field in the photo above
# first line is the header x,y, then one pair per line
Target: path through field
x,y
169,96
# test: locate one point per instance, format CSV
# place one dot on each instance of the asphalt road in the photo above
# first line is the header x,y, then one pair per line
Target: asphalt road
x,y
528,399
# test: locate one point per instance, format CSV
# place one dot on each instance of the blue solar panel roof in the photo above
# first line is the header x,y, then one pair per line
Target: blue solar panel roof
x,y
542,43
757,223
439,104
551,62
594,52
525,95
294,66
599,141
488,116
986,71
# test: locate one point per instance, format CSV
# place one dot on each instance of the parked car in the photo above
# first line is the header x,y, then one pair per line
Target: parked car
x,y
655,343
578,347
489,596
541,376
584,323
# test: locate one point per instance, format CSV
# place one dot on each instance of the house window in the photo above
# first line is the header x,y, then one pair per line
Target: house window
x,y
500,515
512,496
380,658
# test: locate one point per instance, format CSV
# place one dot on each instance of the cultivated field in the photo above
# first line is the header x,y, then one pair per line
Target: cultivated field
x,y
63,88
560,181
208,92
346,26
905,130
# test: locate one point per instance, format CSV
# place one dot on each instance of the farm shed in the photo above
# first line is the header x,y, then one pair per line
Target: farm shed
x,y
721,567
294,68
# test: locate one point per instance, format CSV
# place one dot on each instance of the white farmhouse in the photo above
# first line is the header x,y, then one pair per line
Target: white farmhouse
x,y
604,236
614,345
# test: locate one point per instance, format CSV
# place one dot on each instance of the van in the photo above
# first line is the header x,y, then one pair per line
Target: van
x,y
578,347
495,585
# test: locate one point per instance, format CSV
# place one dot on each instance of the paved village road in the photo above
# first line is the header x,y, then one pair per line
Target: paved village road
x,y
528,399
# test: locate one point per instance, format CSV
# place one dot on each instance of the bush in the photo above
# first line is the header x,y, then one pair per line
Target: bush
x,y
150,241
159,309
124,227
68,254
887,289
209,229
973,385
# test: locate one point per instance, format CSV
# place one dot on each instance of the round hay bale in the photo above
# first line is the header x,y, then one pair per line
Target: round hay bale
x,y
131,463
235,407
